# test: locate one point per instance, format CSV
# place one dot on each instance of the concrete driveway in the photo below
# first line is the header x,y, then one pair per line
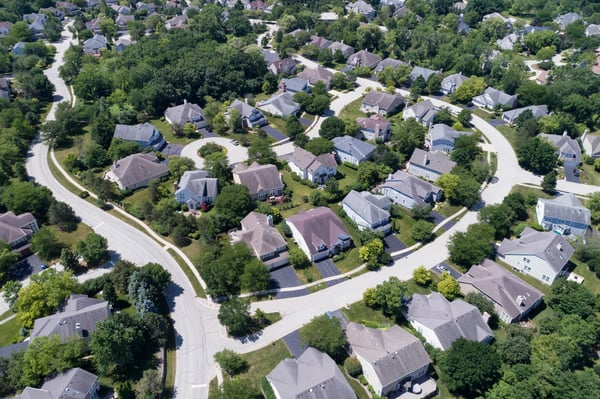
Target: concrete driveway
x,y
292,341
392,244
327,268
571,171
276,134
235,153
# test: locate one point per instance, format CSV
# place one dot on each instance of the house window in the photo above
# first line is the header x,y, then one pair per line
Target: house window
x,y
545,278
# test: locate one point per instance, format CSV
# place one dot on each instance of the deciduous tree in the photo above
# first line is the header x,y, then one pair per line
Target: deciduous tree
x,y
325,334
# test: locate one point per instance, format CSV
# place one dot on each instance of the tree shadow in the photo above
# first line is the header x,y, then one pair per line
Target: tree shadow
x,y
173,291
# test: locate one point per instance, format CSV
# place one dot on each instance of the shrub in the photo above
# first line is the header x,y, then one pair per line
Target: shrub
x,y
363,379
84,194
353,367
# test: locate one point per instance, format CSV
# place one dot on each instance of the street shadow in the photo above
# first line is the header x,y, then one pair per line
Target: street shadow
x,y
57,98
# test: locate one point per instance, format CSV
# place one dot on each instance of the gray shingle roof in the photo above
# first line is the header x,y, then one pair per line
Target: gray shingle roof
x,y
594,143
385,101
258,177
566,207
421,71
314,375
368,206
319,226
144,133
295,84
449,320
443,132
389,62
12,227
492,97
318,74
260,235
365,58
249,112
95,43
282,102
421,108
73,384
411,186
393,353
184,113
351,145
436,161
511,293
199,183
551,247
136,168
537,111
80,309
565,145
452,82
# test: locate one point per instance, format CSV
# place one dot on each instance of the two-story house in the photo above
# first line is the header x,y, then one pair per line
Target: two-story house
x,y
308,166
429,165
407,190
368,211
564,214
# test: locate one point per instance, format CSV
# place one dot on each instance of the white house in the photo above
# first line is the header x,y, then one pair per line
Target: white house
x,y
196,188
564,215
308,166
374,127
441,137
591,145
542,255
407,190
452,82
368,211
424,112
429,165
352,150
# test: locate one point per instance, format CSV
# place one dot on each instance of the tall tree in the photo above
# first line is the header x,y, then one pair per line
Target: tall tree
x,y
325,334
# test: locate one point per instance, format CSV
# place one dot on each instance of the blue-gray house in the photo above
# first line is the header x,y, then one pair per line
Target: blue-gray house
x,y
145,134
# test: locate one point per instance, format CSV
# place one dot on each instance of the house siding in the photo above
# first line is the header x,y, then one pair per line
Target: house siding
x,y
370,375
532,265
547,222
362,223
425,173
427,333
398,197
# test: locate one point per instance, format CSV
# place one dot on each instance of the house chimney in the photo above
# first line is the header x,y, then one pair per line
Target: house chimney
x,y
270,220
425,159
185,101
559,246
175,185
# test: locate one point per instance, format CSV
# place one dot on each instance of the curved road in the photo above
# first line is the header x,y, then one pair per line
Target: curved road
x,y
194,367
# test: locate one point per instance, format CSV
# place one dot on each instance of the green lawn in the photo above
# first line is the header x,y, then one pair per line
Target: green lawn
x,y
350,176
352,111
589,175
277,123
350,262
9,332
262,361
404,224
359,389
72,238
591,281
359,312
198,290
169,134
510,134
446,209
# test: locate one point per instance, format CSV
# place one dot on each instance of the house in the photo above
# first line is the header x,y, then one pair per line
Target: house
x,y
5,90
5,28
136,170
352,150
263,239
462,27
380,102
364,58
280,104
592,30
121,44
318,74
177,22
452,82
507,43
119,9
537,110
395,3
512,297
312,375
407,190
263,181
145,134
93,25
95,45
317,169
391,359
251,117
389,63
122,20
185,113
368,211
375,127
424,112
542,78
345,49
196,188
567,148
269,56
495,15
74,383
286,66
442,322
542,255
564,214
329,16
149,7
361,7
77,318
425,73
17,230
591,145
567,19
441,137
67,8
319,233
19,48
257,5
319,42
429,165
36,22
492,98
294,85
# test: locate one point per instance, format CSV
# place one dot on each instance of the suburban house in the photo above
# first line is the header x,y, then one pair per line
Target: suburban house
x,y
441,137
452,82
567,148
294,85
196,188
591,145
352,150
512,297
5,28
121,44
537,110
592,30
280,104
251,117
122,20
388,62
5,90
67,7
177,22
407,190
496,15
263,239
507,43
442,322
318,74
345,49
185,113
286,66
328,16
37,23
77,318
425,73
93,25
492,98
263,181
368,211
567,19
119,9
375,127
312,375
364,58
424,112
136,170
392,360
270,56
543,255
319,42
317,169
361,7
94,45
18,48
145,134
17,230
563,215
74,383
319,233
380,102
429,165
